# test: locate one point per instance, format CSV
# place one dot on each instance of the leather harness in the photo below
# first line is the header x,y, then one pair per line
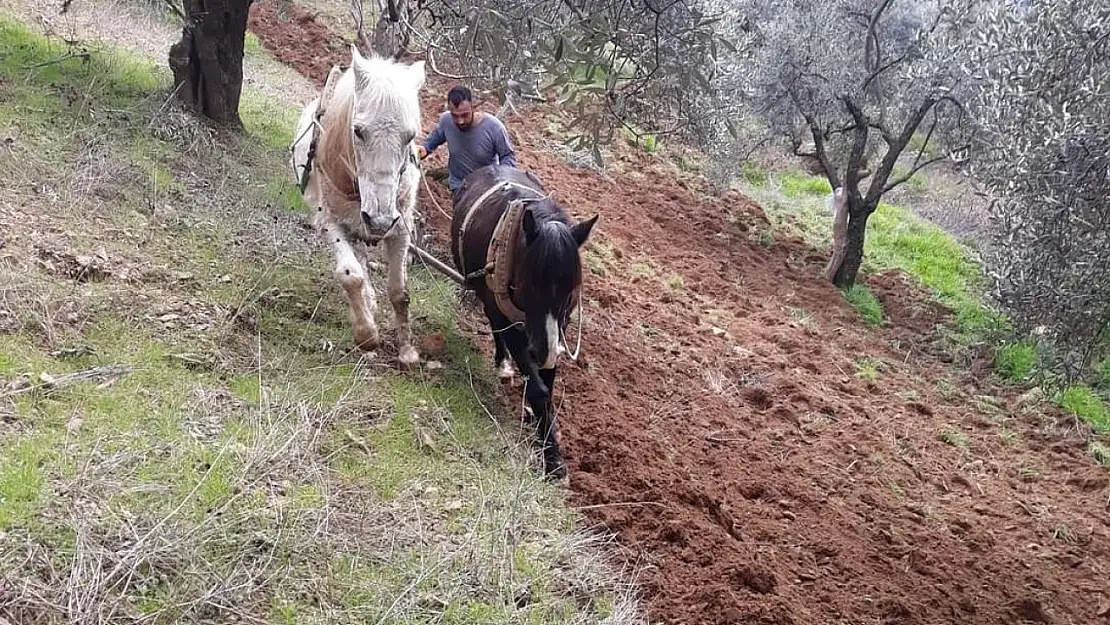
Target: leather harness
x,y
501,249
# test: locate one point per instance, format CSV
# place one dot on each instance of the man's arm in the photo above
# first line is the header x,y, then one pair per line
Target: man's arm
x,y
503,145
435,139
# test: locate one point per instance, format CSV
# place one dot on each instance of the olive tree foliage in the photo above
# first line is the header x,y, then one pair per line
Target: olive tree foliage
x,y
1042,143
853,79
640,65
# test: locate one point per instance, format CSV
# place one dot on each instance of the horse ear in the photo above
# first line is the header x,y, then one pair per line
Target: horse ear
x,y
418,74
529,222
357,61
581,230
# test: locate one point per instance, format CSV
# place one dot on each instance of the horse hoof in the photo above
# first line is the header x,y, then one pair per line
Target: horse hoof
x,y
554,467
505,371
408,356
367,339
558,474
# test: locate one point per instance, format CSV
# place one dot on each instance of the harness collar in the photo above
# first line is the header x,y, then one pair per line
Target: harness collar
x,y
501,248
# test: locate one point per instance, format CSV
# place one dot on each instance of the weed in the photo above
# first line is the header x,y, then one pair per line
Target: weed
x,y
675,282
1084,403
865,303
867,369
953,436
753,174
898,239
252,46
598,257
800,316
1016,362
947,389
1100,452
643,270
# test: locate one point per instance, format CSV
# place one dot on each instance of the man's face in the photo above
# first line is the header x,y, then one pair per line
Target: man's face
x,y
463,114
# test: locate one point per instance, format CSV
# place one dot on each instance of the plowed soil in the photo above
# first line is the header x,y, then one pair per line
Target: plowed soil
x,y
724,421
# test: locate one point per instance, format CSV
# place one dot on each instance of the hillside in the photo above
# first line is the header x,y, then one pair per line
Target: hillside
x,y
760,451
765,454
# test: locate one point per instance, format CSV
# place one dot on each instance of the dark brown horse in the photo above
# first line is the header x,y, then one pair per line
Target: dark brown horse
x,y
519,251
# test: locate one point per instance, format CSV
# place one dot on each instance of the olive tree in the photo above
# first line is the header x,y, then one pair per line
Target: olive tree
x,y
1042,142
854,77
207,62
637,65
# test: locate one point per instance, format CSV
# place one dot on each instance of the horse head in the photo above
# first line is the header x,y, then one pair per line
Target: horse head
x,y
384,120
549,276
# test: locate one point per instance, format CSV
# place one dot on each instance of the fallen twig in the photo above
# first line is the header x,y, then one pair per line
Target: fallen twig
x,y
105,375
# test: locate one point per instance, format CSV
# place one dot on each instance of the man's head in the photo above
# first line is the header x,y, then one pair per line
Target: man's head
x,y
459,101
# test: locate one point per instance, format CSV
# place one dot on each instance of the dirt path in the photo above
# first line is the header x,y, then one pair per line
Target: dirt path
x,y
764,456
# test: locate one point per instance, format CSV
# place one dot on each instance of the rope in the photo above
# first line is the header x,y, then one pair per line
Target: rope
x,y
578,345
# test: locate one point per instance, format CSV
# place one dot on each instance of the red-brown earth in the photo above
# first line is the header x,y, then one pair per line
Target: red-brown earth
x,y
717,422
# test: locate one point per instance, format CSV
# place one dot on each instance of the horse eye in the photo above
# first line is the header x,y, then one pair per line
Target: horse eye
x,y
360,132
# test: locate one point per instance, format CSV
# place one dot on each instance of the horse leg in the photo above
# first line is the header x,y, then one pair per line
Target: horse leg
x,y
501,358
537,389
497,323
351,274
397,249
548,431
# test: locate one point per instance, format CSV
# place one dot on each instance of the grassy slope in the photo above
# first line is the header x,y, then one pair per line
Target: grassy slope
x,y
898,239
227,455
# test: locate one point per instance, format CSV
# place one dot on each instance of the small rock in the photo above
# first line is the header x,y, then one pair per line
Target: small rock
x,y
433,344
1030,397
431,492
434,365
454,504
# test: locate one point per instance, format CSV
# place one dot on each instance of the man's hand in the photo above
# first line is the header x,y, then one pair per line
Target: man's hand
x,y
421,153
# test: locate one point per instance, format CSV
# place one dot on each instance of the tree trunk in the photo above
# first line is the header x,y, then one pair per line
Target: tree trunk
x,y
845,275
391,35
840,233
207,62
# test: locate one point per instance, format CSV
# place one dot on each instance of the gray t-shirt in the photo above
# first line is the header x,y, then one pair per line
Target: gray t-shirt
x,y
485,143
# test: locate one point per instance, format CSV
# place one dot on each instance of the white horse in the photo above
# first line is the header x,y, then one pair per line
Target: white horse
x,y
355,156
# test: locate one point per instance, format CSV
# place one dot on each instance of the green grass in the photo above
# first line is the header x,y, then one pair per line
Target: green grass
x,y
1084,403
895,239
899,239
800,185
1016,362
239,441
865,303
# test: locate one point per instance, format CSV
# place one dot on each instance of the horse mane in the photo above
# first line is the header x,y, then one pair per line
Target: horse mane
x,y
380,82
335,154
552,259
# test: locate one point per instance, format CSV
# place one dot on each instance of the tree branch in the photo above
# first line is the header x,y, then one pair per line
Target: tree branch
x,y
855,159
894,150
818,142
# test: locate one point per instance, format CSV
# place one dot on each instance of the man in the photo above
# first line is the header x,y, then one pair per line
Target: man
x,y
474,139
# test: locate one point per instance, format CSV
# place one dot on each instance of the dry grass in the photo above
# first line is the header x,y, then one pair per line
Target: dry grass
x,y
185,435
